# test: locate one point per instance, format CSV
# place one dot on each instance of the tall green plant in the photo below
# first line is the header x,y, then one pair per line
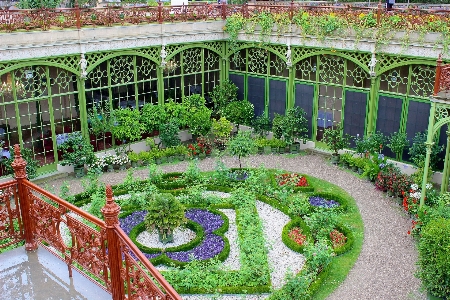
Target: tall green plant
x,y
128,126
239,112
418,151
336,140
101,121
397,143
152,116
241,145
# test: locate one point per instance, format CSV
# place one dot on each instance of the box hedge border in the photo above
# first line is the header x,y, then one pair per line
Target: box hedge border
x,y
296,222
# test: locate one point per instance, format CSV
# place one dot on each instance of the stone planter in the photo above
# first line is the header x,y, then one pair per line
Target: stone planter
x,y
294,148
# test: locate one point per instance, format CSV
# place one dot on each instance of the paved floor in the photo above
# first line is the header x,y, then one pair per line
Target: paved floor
x,y
39,275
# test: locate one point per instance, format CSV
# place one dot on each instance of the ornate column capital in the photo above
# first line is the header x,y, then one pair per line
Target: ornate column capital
x,y
111,210
19,164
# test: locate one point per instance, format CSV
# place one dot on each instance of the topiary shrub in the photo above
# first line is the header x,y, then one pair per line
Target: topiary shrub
x,y
434,253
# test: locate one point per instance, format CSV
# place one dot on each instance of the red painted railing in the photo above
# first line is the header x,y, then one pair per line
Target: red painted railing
x,y
442,79
102,250
60,18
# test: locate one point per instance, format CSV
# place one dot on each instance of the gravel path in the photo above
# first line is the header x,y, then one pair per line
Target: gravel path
x,y
385,268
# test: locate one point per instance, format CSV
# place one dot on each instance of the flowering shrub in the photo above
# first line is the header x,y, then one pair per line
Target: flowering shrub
x,y
411,199
202,146
297,236
120,160
337,238
293,179
393,180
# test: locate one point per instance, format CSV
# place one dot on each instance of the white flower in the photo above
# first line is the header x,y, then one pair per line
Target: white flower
x,y
429,186
416,195
414,187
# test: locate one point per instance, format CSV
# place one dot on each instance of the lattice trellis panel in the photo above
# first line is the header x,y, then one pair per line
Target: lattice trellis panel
x,y
121,69
257,60
362,57
422,80
32,80
146,68
395,80
280,51
69,61
442,111
387,61
94,57
171,49
331,69
238,60
192,60
299,53
306,69
152,52
278,66
216,46
357,76
211,60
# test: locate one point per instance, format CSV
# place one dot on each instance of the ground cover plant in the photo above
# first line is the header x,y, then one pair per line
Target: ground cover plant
x,y
196,266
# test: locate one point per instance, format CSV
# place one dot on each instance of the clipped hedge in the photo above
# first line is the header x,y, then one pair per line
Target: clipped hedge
x,y
297,222
200,235
350,240
303,189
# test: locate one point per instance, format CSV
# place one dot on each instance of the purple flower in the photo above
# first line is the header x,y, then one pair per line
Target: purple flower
x,y
131,221
321,202
211,246
205,218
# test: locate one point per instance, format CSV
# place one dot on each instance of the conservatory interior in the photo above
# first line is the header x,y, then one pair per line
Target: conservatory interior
x,y
99,89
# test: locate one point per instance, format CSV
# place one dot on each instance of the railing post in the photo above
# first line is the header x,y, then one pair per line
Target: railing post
x,y
19,165
160,18
379,9
291,10
437,79
111,212
77,15
224,11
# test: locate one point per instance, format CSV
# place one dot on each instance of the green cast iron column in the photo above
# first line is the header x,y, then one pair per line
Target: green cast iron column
x,y
51,112
82,103
445,175
429,144
290,101
372,100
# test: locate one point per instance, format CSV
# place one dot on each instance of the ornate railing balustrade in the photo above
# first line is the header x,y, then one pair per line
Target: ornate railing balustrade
x,y
100,250
59,18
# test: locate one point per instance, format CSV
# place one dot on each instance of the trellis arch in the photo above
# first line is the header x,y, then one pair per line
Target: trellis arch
x,y
334,53
116,54
405,63
173,50
35,63
275,49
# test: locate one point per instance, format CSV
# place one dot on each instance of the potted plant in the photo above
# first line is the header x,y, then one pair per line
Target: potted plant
x,y
168,134
152,116
128,126
164,214
241,145
134,158
239,112
100,121
261,126
199,121
77,151
336,141
397,143
221,129
222,95
146,157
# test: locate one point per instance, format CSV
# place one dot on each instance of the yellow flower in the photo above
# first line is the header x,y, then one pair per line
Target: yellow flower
x,y
362,15
332,14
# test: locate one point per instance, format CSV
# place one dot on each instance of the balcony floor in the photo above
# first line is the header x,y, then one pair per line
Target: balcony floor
x,y
40,275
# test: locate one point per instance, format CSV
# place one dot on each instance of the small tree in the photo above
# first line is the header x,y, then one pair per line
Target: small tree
x,y
152,116
261,126
165,213
223,94
335,140
418,151
168,134
241,145
239,112
397,143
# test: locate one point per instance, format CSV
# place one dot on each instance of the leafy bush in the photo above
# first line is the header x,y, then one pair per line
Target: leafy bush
x,y
335,140
239,112
27,155
418,151
152,116
168,134
241,145
261,126
223,94
397,142
434,253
